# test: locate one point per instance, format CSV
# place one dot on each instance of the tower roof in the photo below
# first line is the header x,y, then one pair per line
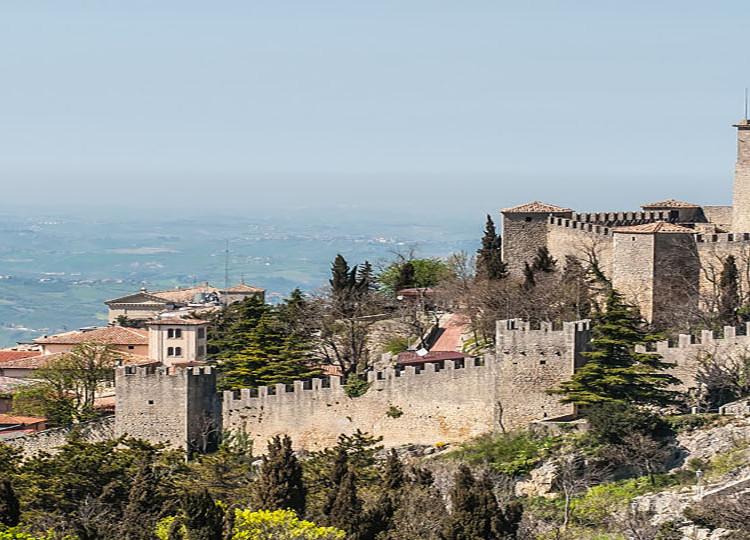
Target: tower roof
x,y
670,203
661,227
535,207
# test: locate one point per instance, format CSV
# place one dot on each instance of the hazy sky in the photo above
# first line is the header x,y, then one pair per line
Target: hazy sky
x,y
471,105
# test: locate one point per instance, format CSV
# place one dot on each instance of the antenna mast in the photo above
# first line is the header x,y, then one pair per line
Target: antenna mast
x,y
745,103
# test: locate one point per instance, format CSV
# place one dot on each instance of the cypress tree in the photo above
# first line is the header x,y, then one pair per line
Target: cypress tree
x,y
406,276
343,509
142,510
490,263
202,517
462,524
729,301
614,370
543,262
380,517
343,279
279,486
365,278
10,508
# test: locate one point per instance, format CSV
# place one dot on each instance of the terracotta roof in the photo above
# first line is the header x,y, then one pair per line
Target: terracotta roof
x,y
117,335
660,227
141,297
15,355
36,362
411,357
535,207
183,295
15,420
177,322
670,203
415,291
242,288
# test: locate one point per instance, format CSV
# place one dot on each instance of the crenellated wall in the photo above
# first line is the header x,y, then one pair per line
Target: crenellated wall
x,y
450,402
687,353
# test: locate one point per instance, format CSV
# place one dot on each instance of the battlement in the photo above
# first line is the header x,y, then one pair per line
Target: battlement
x,y
622,219
163,371
575,225
708,338
721,238
326,387
525,326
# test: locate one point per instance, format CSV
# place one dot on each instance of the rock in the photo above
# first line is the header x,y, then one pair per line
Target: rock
x,y
540,483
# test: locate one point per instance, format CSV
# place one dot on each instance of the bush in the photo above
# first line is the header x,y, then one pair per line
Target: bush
x,y
397,344
513,453
394,412
611,421
355,387
678,424
281,525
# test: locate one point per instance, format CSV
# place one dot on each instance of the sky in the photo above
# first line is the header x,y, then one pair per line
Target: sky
x,y
426,105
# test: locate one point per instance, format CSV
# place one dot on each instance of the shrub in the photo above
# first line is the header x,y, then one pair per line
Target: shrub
x,y
514,453
609,422
394,412
281,525
680,423
355,387
397,344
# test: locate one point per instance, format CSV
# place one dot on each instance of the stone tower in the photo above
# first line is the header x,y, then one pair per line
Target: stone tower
x,y
741,203
176,406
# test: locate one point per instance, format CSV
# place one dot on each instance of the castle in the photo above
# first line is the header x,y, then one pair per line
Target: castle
x,y
664,258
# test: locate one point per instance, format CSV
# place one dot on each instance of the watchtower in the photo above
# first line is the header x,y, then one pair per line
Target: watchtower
x,y
177,406
741,202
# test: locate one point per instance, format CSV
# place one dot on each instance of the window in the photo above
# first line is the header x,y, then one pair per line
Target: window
x,y
178,351
131,347
170,351
201,349
174,333
150,401
201,333
528,218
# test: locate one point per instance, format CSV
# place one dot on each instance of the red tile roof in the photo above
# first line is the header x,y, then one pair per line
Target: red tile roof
x,y
15,420
242,288
670,203
116,335
36,362
660,227
535,207
15,355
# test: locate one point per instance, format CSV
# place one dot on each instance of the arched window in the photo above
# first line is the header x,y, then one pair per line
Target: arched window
x,y
170,351
178,351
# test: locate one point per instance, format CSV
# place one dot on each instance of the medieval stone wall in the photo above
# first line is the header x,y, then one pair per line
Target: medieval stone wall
x,y
50,440
580,239
448,403
523,235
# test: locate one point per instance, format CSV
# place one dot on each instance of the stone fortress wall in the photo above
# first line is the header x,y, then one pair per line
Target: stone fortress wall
x,y
449,403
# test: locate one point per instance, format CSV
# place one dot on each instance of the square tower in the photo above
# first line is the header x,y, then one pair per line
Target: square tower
x,y
741,202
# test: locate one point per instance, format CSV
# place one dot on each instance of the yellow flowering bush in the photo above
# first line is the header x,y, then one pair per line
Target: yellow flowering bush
x,y
279,525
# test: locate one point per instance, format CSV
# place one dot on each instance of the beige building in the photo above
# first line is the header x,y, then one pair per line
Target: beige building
x,y
177,341
147,305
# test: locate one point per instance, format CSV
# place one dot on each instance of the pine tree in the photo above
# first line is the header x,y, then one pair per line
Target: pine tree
x,y
729,301
380,517
344,508
343,279
202,517
142,510
543,262
231,327
10,508
614,370
406,276
366,279
462,524
490,263
279,486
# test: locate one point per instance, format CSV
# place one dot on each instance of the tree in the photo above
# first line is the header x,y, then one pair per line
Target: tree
x,y
231,327
279,485
543,262
406,273
390,491
343,509
490,263
614,371
10,509
67,385
144,505
729,301
202,517
724,377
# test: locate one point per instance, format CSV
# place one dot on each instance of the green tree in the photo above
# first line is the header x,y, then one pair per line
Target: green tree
x,y
10,508
490,263
729,300
202,517
143,506
66,386
343,278
343,509
390,491
543,262
426,273
614,371
230,328
279,485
